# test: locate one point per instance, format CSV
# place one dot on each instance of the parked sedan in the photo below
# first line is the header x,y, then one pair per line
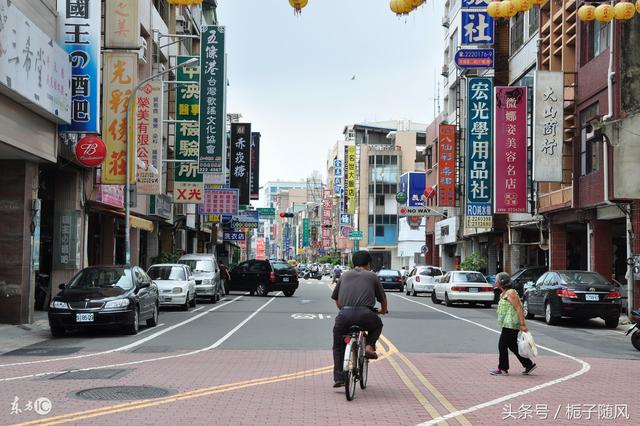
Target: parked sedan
x,y
422,279
391,279
264,276
105,296
578,294
526,275
463,286
175,283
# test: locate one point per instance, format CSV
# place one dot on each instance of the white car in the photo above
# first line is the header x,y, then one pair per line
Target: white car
x,y
176,285
422,279
463,286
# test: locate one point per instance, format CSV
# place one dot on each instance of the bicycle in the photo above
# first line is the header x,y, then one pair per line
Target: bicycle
x,y
356,364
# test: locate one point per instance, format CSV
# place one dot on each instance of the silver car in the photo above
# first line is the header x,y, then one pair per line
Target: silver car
x,y
206,273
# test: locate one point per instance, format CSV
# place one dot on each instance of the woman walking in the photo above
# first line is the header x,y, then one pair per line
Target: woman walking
x,y
511,320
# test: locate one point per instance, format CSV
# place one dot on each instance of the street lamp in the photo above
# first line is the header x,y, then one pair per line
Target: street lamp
x,y
127,185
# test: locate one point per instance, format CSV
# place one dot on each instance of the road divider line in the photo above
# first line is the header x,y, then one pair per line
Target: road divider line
x,y
149,329
197,309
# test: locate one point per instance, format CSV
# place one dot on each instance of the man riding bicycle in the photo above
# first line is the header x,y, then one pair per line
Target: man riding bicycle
x,y
355,295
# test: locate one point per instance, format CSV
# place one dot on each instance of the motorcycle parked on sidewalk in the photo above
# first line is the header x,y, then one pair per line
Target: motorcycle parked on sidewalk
x,y
635,337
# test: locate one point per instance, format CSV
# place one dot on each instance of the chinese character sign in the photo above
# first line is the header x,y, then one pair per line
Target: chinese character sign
x,y
119,75
261,251
548,126
511,150
188,186
220,201
240,161
234,236
482,4
79,33
327,206
212,101
479,153
446,165
122,26
255,165
337,177
351,178
149,138
344,200
305,232
477,27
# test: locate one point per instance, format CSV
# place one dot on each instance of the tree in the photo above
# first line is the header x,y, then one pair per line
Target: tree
x,y
473,262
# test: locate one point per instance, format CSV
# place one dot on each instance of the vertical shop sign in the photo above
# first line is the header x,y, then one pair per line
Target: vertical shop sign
x,y
261,252
79,33
255,165
66,250
511,149
548,112
447,165
212,104
327,206
477,27
149,138
240,162
122,26
119,75
479,153
305,232
345,196
337,177
351,178
188,185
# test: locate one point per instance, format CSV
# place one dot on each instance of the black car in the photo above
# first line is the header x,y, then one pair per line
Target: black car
x,y
391,279
529,274
578,294
105,296
264,276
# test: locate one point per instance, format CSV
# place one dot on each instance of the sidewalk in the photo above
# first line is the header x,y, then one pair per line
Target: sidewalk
x,y
18,336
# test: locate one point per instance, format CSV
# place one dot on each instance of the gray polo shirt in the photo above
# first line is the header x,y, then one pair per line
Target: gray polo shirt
x,y
358,287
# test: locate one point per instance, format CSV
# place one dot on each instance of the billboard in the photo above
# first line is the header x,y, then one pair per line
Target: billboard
x,y
447,165
413,184
548,119
351,178
149,138
240,161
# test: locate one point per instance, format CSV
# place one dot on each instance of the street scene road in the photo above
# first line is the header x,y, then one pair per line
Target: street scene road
x,y
267,360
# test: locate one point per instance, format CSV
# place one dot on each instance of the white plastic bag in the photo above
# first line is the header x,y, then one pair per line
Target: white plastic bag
x,y
526,345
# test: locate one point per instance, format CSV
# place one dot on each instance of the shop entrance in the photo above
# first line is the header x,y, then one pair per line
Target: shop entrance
x,y
577,252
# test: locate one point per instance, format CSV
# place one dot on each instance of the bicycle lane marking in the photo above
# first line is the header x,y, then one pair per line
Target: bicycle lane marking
x,y
125,347
585,367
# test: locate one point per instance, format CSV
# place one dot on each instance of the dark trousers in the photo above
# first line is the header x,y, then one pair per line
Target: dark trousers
x,y
509,341
366,319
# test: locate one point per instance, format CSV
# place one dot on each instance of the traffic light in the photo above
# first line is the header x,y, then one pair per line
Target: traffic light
x,y
285,214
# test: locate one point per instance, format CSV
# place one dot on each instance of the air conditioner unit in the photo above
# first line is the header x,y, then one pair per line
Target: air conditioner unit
x,y
445,21
445,71
181,239
143,51
182,25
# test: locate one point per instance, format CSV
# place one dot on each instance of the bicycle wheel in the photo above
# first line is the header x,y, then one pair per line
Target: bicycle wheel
x,y
350,375
364,373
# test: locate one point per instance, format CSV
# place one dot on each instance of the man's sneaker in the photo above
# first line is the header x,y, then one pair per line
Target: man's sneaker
x,y
499,372
528,371
338,384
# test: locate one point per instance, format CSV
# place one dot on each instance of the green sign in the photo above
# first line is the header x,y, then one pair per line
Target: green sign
x,y
401,197
356,235
266,212
305,232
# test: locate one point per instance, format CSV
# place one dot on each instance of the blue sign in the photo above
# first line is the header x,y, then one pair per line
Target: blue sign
x,y
413,184
477,27
475,58
234,236
337,177
345,219
478,4
479,153
248,216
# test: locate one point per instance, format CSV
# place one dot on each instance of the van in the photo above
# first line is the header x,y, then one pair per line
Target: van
x,y
206,272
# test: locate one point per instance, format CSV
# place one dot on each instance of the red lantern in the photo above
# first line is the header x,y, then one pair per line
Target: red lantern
x,y
281,214
91,151
429,192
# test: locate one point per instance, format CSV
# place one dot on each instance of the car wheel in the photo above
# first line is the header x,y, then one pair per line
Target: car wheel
x,y
488,304
57,331
414,293
134,326
472,304
252,293
185,306
261,290
213,299
153,321
548,315
446,300
289,293
434,299
611,322
526,311
635,339
408,292
192,302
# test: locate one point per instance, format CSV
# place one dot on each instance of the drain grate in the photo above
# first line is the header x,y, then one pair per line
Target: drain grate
x,y
42,351
100,374
122,393
152,349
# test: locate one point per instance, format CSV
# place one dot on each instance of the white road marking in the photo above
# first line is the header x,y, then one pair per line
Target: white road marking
x,y
216,344
149,329
585,367
126,347
197,309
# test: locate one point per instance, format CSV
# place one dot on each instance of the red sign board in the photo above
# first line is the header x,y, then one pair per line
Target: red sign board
x,y
446,165
511,150
91,151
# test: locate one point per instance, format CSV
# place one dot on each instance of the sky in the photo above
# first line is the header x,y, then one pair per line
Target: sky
x,y
291,76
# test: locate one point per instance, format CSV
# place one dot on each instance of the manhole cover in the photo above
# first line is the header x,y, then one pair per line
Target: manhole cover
x,y
122,393
100,374
42,351
152,349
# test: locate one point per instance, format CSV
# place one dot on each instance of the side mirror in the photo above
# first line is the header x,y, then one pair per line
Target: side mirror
x,y
61,286
144,284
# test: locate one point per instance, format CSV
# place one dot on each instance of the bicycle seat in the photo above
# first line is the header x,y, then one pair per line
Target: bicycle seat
x,y
354,328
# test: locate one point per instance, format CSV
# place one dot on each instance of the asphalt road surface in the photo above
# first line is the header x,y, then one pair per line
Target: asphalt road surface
x,y
267,361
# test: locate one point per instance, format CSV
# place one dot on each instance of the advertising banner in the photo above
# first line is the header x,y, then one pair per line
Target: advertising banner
x,y
119,74
511,149
240,161
212,103
67,238
344,206
305,232
261,252
188,183
413,184
234,236
478,27
255,166
327,206
481,4
220,201
79,33
351,178
548,119
478,212
475,58
447,165
338,176
122,26
149,138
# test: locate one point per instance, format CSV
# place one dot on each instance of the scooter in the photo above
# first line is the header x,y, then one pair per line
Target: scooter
x,y
635,337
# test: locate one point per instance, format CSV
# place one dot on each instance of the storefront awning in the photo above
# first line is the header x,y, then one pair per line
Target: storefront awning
x,y
140,223
134,221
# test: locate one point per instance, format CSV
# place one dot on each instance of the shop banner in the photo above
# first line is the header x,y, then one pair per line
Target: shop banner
x,y
67,238
220,201
548,119
478,27
511,149
122,26
119,75
240,161
305,232
255,166
351,178
447,165
478,212
327,206
212,103
344,206
188,183
337,177
234,236
149,138
413,184
79,33
261,252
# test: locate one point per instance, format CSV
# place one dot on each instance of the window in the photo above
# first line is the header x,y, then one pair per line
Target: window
x,y
380,200
517,32
589,152
258,267
379,231
595,39
393,160
429,156
534,20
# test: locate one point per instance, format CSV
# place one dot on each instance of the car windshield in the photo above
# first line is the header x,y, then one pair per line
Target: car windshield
x,y
198,265
281,266
102,278
431,272
584,278
468,277
167,273
389,272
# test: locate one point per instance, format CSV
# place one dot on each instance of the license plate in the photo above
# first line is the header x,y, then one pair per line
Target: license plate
x,y
285,279
84,317
166,299
592,297
473,290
